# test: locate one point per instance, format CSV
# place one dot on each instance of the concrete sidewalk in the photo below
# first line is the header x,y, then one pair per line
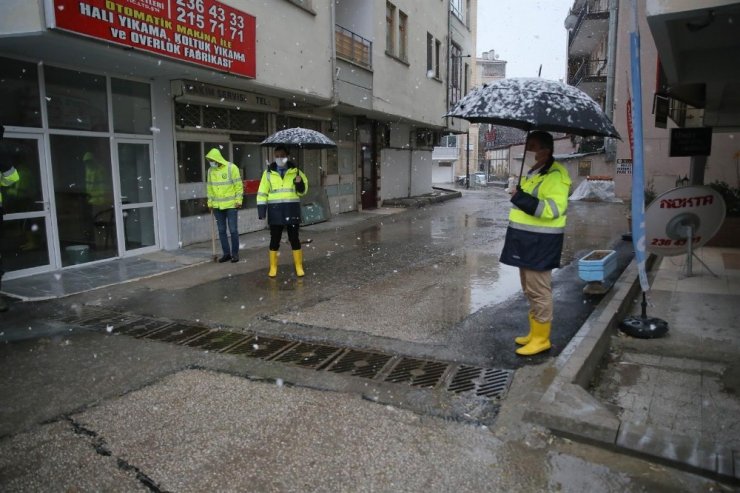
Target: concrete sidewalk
x,y
675,399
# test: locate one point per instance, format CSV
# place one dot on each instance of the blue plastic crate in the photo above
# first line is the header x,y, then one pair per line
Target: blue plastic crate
x,y
597,265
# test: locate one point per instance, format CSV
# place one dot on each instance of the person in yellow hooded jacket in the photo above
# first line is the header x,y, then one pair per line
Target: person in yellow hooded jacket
x,y
8,176
225,191
534,237
279,199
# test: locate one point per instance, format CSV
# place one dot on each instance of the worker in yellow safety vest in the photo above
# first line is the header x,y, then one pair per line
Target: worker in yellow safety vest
x,y
8,176
225,191
279,199
534,238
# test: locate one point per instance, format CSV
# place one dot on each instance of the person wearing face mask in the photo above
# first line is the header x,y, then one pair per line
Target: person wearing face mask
x,y
225,191
279,199
534,237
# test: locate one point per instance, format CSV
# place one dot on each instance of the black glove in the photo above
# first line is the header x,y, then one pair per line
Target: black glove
x,y
525,202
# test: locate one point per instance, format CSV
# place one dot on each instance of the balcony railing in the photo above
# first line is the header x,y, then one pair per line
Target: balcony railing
x,y
591,8
353,47
587,69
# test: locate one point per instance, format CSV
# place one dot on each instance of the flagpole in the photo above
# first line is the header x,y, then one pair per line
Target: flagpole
x,y
639,326
638,165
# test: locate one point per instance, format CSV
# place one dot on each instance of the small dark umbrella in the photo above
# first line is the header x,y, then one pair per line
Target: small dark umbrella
x,y
303,138
535,104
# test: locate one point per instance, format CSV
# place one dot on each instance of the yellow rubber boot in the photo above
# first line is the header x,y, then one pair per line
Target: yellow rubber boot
x,y
522,340
298,260
540,339
273,263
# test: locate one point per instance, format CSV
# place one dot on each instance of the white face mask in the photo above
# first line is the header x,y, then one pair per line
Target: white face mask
x,y
281,161
213,164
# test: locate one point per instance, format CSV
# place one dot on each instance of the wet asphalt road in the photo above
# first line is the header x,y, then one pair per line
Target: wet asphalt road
x,y
423,282
87,410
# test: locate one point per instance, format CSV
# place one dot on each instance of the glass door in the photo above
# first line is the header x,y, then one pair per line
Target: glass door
x,y
136,216
27,227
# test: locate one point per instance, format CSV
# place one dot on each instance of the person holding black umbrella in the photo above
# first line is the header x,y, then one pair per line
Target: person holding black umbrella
x,y
279,199
534,237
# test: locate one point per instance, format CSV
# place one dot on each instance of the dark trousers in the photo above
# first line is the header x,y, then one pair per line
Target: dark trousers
x,y
276,232
228,217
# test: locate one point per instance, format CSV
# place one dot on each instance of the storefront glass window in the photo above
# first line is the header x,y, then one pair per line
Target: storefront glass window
x,y
19,92
83,192
215,117
249,159
189,162
132,107
248,121
76,100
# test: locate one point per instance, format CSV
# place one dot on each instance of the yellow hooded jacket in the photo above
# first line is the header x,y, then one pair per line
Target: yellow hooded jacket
x,y
7,179
224,184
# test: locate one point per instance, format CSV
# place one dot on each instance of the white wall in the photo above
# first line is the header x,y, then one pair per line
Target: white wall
x,y
405,173
661,170
421,172
21,17
394,173
402,89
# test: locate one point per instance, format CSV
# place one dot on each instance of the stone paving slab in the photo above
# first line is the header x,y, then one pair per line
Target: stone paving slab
x,y
695,421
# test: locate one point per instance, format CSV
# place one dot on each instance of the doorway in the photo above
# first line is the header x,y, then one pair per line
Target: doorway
x,y
368,169
136,214
27,230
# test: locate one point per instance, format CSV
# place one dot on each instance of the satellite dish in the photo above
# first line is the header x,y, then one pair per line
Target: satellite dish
x,y
670,217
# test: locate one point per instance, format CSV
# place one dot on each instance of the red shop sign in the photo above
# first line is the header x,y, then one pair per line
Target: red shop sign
x,y
204,32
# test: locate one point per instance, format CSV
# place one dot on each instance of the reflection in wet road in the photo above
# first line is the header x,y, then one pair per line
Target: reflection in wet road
x,y
413,275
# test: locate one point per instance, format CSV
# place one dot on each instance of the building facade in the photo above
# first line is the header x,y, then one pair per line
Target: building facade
x,y
110,107
599,64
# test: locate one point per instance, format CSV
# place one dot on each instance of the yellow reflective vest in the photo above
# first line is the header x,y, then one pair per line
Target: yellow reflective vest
x,y
279,197
7,179
535,240
551,188
224,184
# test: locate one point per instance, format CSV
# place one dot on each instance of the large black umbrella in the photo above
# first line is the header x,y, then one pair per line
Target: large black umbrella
x,y
535,104
303,138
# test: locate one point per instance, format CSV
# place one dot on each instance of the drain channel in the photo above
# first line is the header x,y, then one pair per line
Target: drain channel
x,y
459,379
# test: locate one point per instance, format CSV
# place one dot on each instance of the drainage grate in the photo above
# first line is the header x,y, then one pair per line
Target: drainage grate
x,y
218,340
262,347
494,383
486,382
143,328
83,316
177,333
360,363
309,355
417,372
